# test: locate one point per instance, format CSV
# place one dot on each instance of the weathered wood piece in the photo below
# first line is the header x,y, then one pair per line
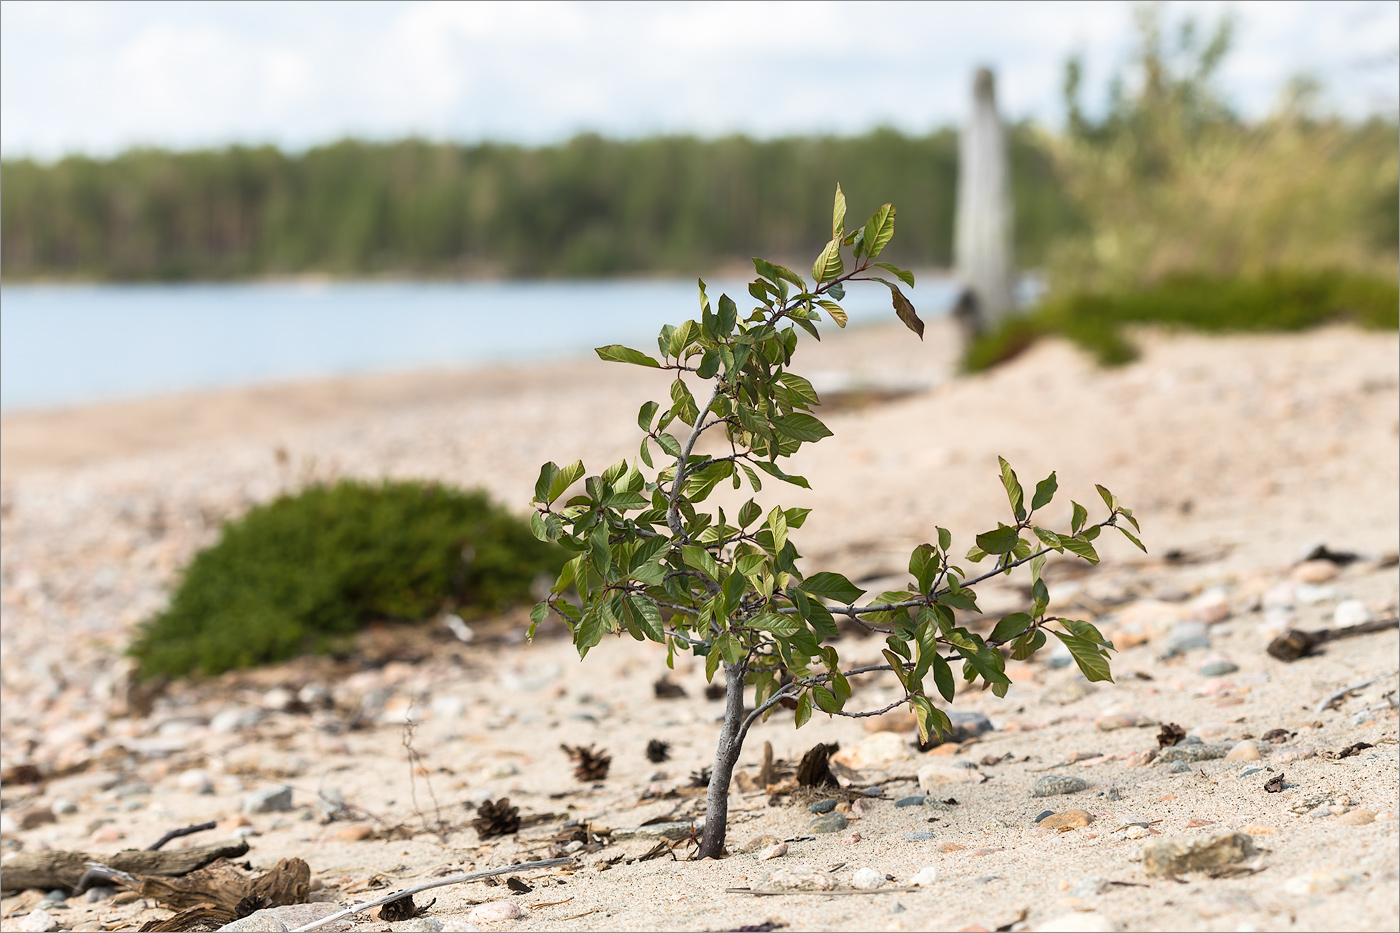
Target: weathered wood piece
x,y
223,886
49,870
1294,643
982,235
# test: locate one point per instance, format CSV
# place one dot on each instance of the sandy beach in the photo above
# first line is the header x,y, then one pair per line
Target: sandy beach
x,y
1239,455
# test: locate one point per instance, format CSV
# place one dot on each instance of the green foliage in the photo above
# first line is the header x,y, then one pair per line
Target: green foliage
x,y
307,571
1171,183
649,561
586,207
1274,302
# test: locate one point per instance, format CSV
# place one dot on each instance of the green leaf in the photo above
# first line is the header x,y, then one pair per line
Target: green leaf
x,y
1081,515
777,274
943,677
698,558
796,517
712,664
777,523
1044,492
828,265
644,416
976,554
1109,499
896,664
1009,627
546,479
647,616
932,722
838,314
825,700
748,513
923,564
1081,547
879,230
1049,537
903,275
1001,541
772,469
1037,563
828,585
1013,493
537,526
984,660
539,613
838,215
566,477
783,626
1027,645
617,353
669,443
803,712
799,387
801,426
962,599
1089,656
589,632
1086,631
1131,537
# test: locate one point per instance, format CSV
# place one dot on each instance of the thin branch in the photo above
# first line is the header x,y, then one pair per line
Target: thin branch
x,y
427,886
673,515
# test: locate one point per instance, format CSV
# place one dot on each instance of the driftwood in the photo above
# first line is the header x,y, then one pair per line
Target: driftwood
x,y
1294,644
49,870
224,887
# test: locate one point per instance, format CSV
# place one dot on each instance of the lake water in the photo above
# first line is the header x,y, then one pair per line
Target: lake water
x,y
72,344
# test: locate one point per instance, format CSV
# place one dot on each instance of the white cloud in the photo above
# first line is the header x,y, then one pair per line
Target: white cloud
x,y
97,78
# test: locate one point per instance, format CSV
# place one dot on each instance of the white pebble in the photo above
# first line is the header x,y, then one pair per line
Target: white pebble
x,y
772,852
925,877
497,911
867,879
1351,612
38,921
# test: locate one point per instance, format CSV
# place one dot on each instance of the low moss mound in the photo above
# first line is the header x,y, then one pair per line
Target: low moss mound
x,y
307,571
1279,302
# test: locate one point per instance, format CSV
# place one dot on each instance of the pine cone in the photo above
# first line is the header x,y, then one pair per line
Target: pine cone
x,y
658,751
496,819
589,765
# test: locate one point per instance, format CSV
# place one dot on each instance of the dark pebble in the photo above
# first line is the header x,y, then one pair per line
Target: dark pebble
x,y
828,823
1115,793
1043,814
1053,785
910,801
1179,767
823,806
1192,753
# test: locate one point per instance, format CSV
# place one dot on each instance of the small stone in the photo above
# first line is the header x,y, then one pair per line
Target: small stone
x,y
62,806
38,921
330,803
951,847
823,806
1184,637
497,912
828,823
106,834
1178,767
98,894
1114,794
798,878
1195,853
1310,595
1067,820
195,781
260,921
1258,829
279,698
275,799
1043,814
1219,668
950,771
925,877
772,852
1115,721
1248,772
1327,881
851,839
1193,753
56,896
1244,751
1315,571
36,817
1289,755
758,843
910,801
968,725
1090,887
131,789
867,879
879,751
1351,612
1076,923
1211,607
421,925
920,836
1358,817
1137,832
1052,785
357,833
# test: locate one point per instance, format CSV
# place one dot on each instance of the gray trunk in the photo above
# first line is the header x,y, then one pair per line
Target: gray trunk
x,y
726,756
982,240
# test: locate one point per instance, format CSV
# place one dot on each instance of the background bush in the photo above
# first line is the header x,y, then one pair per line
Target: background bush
x,y
305,572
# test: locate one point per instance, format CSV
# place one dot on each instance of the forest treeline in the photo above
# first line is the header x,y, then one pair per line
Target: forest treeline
x,y
587,207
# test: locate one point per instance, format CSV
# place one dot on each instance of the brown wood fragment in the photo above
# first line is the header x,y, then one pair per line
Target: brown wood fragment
x,y
1294,644
815,770
59,869
224,886
195,917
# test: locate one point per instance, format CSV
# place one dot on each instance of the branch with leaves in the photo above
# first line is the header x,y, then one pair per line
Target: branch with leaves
x,y
652,562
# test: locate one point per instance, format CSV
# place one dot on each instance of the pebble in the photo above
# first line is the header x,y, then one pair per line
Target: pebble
x,y
797,878
420,925
1211,607
1310,595
1327,881
257,921
330,803
1249,772
1067,820
758,843
1137,832
919,836
38,816
358,833
1053,785
879,751
1090,887
98,894
867,879
925,877
1184,637
1244,751
1193,753
195,781
1114,793
38,921
1114,721
1358,817
497,912
275,799
1290,755
1351,612
772,852
62,806
949,771
1219,668
911,801
1279,596
1179,767
131,789
1315,571
828,823
1043,814
1076,922
1195,853
968,725
823,806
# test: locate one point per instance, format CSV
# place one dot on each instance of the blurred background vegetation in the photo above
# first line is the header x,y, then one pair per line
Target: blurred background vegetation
x,y
1167,185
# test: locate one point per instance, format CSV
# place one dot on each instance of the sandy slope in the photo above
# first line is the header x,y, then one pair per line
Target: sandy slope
x,y
1236,453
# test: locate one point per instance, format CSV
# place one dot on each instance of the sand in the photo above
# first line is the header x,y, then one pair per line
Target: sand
x,y
1238,454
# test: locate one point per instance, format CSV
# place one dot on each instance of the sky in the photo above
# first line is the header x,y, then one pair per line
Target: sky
x,y
98,78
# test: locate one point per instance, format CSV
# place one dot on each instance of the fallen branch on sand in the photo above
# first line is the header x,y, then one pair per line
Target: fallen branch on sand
x,y
1294,644
427,886
49,870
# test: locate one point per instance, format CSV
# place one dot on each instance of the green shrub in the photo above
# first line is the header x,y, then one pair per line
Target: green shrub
x,y
1276,302
305,572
